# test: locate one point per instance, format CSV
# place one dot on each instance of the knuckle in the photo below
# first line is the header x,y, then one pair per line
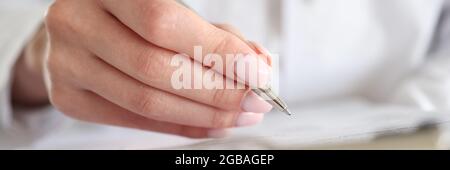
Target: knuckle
x,y
62,19
56,16
151,64
222,120
145,104
146,63
161,20
227,98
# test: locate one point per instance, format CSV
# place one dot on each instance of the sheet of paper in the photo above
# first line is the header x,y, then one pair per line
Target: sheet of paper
x,y
332,123
345,122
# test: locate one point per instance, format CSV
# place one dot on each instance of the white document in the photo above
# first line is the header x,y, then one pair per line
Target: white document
x,y
343,122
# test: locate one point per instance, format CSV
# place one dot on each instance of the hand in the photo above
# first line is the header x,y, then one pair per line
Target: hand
x,y
109,62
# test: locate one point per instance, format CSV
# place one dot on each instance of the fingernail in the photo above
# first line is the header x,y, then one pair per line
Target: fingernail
x,y
218,133
254,103
249,119
263,70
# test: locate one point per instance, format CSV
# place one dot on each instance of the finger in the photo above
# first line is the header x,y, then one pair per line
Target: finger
x,y
152,103
151,65
172,26
98,110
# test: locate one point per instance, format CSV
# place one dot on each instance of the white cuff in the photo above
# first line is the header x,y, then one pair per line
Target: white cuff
x,y
18,23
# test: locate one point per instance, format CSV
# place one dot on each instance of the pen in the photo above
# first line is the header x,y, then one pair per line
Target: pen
x,y
274,100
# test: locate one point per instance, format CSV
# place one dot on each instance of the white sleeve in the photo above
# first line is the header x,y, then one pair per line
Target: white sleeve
x,y
429,86
18,22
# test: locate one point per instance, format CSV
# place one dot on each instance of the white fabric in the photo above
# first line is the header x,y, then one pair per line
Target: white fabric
x,y
376,49
18,22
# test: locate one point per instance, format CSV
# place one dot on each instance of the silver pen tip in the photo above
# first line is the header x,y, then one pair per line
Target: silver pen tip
x,y
288,112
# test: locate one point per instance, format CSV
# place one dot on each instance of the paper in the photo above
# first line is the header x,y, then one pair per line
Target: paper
x,y
343,122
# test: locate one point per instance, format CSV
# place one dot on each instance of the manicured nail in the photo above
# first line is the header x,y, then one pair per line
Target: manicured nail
x,y
254,103
249,119
218,133
244,70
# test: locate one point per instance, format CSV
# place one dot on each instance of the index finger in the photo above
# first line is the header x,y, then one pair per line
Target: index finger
x,y
172,26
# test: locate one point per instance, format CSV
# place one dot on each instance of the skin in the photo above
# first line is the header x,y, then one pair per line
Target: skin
x,y
108,62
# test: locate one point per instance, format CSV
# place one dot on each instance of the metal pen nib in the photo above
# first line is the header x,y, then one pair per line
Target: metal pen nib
x,y
274,100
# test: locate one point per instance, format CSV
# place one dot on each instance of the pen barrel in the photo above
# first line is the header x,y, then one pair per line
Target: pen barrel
x,y
270,97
